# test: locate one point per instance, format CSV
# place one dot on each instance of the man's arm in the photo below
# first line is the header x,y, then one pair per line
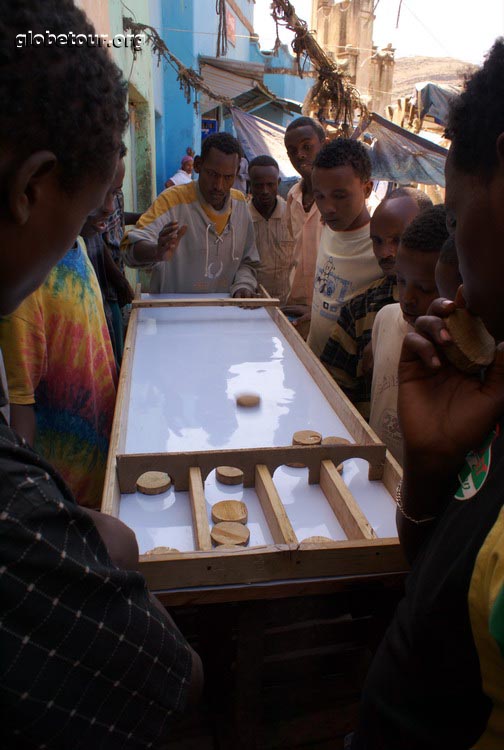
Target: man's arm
x,y
118,640
455,412
24,349
23,421
131,218
245,280
156,235
116,278
147,251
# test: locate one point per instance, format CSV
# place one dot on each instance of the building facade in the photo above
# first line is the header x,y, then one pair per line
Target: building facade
x,y
344,29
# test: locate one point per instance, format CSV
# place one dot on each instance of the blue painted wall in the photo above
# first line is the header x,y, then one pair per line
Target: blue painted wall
x,y
189,28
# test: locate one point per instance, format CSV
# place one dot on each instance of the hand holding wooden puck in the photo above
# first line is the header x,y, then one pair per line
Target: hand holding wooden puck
x,y
472,347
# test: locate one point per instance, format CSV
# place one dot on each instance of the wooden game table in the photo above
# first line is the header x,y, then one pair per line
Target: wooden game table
x,y
186,360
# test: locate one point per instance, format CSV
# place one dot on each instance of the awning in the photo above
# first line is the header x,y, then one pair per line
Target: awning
x,y
258,137
397,155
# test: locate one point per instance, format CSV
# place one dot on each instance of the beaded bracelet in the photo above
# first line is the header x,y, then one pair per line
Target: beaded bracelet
x,y
398,499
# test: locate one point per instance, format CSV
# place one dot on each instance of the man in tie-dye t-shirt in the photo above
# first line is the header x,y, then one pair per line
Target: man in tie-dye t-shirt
x,y
62,375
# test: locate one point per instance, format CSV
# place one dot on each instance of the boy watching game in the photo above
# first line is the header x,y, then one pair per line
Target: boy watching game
x,y
344,353
416,260
345,260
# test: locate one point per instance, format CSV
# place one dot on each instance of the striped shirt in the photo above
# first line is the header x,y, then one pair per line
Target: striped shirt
x,y
343,352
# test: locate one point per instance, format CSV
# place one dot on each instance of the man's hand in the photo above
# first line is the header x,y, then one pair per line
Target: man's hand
x,y
244,293
444,413
118,538
125,293
367,361
168,240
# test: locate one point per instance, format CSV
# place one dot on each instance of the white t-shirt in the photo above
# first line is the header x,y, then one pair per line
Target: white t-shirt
x,y
345,265
180,177
389,330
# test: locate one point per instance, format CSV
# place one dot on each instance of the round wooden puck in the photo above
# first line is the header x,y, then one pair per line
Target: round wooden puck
x,y
230,510
160,550
334,440
316,540
229,475
472,347
304,437
230,532
248,400
153,482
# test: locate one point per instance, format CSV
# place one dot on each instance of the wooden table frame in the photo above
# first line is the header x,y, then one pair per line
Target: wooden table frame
x,y
287,559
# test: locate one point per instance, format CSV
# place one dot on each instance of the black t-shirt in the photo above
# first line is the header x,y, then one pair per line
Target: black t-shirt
x,y
424,688
86,660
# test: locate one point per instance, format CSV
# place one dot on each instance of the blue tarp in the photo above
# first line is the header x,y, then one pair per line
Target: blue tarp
x,y
434,100
397,155
258,137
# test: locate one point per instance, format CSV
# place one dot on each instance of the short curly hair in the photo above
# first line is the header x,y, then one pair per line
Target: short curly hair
x,y
224,142
343,152
307,122
70,100
427,232
476,117
263,161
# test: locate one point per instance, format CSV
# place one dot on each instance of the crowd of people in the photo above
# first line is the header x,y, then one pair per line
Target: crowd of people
x,y
86,649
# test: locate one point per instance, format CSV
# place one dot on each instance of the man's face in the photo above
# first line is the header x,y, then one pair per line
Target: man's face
x,y
96,223
51,226
264,182
302,145
388,222
416,282
341,196
475,216
216,176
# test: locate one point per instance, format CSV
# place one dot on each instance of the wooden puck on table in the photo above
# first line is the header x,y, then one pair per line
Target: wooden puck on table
x,y
316,540
304,437
230,532
230,510
153,482
248,400
160,550
334,440
472,347
229,475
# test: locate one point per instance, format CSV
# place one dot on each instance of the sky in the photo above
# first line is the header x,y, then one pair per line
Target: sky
x,y
431,28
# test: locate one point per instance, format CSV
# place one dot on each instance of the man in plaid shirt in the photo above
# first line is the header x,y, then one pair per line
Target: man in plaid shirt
x,y
88,657
345,354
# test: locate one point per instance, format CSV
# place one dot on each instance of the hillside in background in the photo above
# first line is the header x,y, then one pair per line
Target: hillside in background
x,y
411,70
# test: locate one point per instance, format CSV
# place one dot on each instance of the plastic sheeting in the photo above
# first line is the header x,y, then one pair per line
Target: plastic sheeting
x,y
258,137
434,100
397,155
